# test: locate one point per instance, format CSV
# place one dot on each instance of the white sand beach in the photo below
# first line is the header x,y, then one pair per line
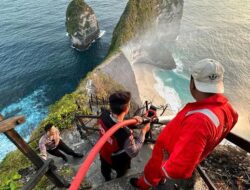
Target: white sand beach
x,y
137,77
144,75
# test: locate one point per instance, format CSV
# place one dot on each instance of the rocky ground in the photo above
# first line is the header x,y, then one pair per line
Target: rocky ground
x,y
229,168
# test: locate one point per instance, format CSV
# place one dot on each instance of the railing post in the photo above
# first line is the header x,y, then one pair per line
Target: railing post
x,y
7,127
96,101
207,180
103,101
90,105
146,102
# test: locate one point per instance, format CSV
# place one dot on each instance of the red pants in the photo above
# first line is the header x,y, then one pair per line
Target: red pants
x,y
152,171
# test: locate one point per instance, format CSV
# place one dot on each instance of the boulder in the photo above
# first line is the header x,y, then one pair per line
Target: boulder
x,y
81,24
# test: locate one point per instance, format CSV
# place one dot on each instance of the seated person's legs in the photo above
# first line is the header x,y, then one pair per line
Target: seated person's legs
x,y
62,146
58,153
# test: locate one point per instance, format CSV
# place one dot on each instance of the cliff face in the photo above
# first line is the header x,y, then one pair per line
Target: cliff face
x,y
81,24
146,31
139,16
145,34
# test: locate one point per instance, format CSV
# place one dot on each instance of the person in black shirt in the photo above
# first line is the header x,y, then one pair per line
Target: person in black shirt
x,y
122,146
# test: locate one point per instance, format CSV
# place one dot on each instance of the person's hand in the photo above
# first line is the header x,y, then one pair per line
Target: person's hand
x,y
44,157
146,128
138,119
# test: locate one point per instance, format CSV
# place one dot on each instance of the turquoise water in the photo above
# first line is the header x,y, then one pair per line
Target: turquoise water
x,y
219,30
180,83
37,64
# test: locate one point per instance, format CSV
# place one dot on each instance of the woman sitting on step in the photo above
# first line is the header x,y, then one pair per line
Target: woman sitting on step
x,y
52,143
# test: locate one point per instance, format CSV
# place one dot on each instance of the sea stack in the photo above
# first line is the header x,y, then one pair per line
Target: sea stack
x,y
81,24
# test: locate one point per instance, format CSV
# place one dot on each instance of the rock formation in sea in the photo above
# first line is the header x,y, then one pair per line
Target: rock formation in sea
x,y
81,24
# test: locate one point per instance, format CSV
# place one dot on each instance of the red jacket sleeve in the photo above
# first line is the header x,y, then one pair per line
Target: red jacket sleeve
x,y
187,152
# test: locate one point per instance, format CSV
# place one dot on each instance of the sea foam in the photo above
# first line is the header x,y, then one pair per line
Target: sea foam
x,y
34,110
168,93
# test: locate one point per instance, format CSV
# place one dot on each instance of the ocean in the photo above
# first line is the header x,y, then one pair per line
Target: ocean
x,y
220,30
37,64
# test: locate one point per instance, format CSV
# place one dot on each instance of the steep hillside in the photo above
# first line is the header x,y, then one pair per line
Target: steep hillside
x,y
140,15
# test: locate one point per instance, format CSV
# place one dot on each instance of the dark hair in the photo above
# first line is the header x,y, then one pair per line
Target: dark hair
x,y
48,127
118,101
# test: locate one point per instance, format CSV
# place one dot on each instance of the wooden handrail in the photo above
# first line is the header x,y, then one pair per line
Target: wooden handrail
x,y
10,123
38,175
7,127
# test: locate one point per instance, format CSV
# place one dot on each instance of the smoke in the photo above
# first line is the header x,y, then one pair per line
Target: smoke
x,y
154,45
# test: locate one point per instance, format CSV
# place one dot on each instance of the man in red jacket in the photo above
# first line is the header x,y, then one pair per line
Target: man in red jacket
x,y
195,131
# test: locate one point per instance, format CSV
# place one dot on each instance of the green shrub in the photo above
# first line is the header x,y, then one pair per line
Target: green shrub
x,y
136,18
62,113
10,183
11,164
73,13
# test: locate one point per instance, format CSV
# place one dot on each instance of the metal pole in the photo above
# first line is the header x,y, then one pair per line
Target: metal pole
x,y
207,180
146,102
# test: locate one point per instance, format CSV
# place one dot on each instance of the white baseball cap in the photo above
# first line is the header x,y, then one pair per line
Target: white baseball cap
x,y
208,76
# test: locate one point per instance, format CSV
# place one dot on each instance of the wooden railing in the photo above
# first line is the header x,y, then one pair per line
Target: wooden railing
x,y
7,127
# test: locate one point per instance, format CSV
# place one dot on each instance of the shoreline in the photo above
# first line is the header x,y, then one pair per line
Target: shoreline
x,y
145,80
147,85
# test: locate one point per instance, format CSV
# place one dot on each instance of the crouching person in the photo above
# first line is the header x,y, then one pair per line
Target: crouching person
x,y
52,143
120,148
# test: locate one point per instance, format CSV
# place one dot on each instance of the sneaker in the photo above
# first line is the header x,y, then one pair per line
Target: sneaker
x,y
133,182
78,155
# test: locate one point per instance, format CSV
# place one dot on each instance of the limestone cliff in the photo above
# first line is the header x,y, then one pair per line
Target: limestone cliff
x,y
147,29
139,16
81,24
144,36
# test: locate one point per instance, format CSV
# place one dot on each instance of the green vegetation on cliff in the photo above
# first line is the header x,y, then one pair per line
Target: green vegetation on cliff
x,y
62,115
137,17
73,15
9,170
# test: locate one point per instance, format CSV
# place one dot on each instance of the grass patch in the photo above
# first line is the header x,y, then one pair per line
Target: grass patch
x,y
9,167
62,115
104,85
